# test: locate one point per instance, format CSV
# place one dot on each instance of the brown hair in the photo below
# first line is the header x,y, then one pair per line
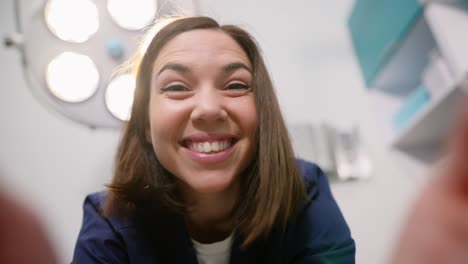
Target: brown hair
x,y
272,187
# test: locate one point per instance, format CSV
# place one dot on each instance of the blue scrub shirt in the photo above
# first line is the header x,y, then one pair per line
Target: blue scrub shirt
x,y
317,234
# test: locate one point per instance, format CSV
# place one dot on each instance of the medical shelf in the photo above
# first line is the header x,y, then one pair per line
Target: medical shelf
x,y
432,26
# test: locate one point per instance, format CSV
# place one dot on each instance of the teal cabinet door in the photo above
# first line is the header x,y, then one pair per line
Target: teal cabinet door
x,y
377,27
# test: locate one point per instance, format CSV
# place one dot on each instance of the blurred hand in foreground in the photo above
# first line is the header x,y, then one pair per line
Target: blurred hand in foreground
x,y
436,230
22,237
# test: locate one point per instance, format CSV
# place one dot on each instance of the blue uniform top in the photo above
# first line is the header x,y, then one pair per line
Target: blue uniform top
x,y
317,234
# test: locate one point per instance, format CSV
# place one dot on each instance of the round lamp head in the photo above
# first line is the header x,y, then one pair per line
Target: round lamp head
x,y
72,77
72,20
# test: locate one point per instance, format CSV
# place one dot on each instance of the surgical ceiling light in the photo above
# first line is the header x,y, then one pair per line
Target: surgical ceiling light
x,y
119,96
143,12
72,20
72,77
71,51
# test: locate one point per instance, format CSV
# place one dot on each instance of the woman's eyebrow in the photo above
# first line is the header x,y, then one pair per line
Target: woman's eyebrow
x,y
235,66
182,69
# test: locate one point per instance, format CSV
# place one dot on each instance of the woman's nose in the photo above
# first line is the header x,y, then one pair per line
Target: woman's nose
x,y
209,106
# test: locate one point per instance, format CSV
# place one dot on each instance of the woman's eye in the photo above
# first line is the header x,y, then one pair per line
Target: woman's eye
x,y
237,86
174,88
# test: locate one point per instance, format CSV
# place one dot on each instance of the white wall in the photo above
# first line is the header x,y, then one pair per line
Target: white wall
x,y
52,162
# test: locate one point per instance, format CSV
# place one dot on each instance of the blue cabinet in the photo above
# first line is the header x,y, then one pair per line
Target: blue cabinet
x,y
395,43
378,29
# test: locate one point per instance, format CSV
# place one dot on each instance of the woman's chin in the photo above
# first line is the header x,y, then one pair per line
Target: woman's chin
x,y
211,185
210,188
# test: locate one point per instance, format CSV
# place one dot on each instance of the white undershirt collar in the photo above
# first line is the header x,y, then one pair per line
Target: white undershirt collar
x,y
214,253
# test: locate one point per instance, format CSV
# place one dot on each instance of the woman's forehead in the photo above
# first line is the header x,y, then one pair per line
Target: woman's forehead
x,y
201,44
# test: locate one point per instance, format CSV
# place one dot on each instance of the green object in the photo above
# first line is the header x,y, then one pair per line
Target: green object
x,y
377,28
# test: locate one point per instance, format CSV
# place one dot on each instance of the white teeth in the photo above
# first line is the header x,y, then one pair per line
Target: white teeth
x,y
199,147
207,147
215,146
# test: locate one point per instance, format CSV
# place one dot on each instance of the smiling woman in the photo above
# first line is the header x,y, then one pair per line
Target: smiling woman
x,y
205,170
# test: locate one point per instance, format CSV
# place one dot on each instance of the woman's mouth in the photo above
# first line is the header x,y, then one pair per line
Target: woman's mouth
x,y
209,147
209,150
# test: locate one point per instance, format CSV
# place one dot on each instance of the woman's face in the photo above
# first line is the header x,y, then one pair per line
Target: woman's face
x,y
202,117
